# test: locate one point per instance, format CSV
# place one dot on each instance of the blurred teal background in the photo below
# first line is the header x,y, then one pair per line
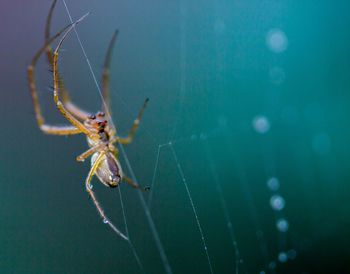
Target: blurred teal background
x,y
254,95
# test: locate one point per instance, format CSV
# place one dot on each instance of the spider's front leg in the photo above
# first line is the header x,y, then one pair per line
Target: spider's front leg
x,y
75,110
56,98
55,130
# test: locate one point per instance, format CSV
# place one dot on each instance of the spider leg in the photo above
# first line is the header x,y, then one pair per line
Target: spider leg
x,y
89,152
106,106
55,130
74,121
94,199
49,54
76,111
133,184
135,125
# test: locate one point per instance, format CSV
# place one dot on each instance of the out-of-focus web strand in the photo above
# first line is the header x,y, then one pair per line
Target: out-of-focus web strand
x,y
215,176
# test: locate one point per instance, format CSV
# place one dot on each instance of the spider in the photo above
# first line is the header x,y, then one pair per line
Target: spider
x,y
98,128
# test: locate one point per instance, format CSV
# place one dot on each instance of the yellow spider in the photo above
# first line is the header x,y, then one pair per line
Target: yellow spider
x,y
98,128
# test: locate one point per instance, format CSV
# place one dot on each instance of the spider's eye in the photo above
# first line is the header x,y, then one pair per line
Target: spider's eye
x,y
101,114
92,117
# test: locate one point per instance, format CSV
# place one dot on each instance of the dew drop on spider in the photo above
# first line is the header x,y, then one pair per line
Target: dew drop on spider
x,y
105,221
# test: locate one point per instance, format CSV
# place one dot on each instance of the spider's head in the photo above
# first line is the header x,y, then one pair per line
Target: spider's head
x,y
97,121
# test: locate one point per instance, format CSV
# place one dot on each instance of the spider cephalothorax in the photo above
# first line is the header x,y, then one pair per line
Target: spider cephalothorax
x,y
98,124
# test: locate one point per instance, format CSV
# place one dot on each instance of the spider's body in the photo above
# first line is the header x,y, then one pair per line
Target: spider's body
x,y
109,171
99,129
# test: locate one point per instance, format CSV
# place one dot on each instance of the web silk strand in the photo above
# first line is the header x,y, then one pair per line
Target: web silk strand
x,y
179,168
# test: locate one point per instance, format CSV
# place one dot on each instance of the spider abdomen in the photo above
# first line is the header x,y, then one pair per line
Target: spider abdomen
x,y
109,171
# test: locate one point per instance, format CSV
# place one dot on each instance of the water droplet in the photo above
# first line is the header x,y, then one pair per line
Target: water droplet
x,y
277,202
282,225
261,124
90,186
282,257
105,221
276,40
273,184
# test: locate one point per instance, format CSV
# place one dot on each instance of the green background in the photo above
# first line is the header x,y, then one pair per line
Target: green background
x,y
207,69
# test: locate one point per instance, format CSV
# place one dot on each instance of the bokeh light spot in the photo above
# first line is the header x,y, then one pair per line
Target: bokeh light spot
x,y
282,257
261,124
276,40
282,225
273,184
277,202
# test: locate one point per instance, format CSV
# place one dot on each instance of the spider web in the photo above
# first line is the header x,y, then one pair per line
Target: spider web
x,y
174,149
